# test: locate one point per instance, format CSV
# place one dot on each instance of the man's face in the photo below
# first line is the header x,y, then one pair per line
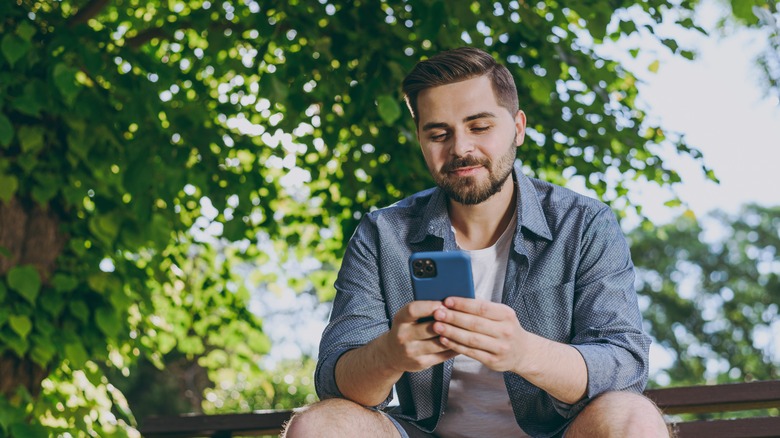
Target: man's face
x,y
468,139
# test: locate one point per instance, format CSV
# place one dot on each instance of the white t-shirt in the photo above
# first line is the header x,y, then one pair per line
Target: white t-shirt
x,y
478,403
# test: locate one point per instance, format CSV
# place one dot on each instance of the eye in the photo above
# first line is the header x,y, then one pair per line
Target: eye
x,y
438,137
480,128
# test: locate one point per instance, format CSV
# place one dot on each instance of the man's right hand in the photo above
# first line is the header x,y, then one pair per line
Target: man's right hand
x,y
366,375
411,344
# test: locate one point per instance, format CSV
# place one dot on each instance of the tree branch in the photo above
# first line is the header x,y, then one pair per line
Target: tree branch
x,y
89,11
147,35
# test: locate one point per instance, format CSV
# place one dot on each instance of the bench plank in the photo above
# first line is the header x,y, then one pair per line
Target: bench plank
x,y
258,423
690,399
738,428
717,398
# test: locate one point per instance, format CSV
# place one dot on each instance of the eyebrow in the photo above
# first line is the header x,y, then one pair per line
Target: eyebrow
x,y
482,115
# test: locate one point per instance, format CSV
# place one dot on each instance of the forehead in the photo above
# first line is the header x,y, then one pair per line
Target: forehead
x,y
456,101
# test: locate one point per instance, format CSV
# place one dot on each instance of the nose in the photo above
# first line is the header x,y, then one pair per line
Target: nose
x,y
462,145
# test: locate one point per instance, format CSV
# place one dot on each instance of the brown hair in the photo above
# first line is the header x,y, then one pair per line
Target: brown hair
x,y
459,65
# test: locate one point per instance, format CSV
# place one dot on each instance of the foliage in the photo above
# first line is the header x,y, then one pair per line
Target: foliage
x,y
763,14
134,134
712,301
289,384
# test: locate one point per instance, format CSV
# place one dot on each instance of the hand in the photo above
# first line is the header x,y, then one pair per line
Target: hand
x,y
487,332
411,345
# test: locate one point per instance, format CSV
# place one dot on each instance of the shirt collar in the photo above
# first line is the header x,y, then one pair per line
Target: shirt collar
x,y
530,215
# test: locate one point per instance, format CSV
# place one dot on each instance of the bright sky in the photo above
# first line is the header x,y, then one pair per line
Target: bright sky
x,y
717,102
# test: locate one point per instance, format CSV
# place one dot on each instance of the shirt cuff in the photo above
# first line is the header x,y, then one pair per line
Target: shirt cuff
x,y
325,376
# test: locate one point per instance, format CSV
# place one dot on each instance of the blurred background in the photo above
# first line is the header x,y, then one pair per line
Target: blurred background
x,y
178,180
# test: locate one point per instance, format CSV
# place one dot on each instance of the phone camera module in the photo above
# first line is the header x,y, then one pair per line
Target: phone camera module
x,y
424,268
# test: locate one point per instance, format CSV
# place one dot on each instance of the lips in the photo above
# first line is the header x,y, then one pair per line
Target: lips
x,y
465,170
463,165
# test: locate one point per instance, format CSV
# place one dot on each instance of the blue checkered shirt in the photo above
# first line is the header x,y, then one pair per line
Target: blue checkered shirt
x,y
569,278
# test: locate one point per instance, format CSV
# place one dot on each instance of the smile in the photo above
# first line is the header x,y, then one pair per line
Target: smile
x,y
465,171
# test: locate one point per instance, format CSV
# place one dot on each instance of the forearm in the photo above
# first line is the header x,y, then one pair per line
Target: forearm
x,y
556,368
364,375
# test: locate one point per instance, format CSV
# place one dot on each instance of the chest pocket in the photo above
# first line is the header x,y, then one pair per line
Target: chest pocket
x,y
547,311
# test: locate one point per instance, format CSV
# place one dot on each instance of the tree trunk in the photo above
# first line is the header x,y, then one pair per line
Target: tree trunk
x,y
28,236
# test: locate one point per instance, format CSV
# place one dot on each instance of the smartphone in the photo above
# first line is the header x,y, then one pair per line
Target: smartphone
x,y
437,275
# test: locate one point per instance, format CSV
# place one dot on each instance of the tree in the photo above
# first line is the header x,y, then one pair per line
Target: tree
x,y
136,138
762,14
713,301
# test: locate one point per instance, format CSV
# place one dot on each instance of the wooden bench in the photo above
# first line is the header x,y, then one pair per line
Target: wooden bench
x,y
673,401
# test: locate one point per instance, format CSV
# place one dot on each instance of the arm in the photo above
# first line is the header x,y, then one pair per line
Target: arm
x,y
362,352
367,374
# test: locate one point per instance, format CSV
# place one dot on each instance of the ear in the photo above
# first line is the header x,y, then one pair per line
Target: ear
x,y
519,127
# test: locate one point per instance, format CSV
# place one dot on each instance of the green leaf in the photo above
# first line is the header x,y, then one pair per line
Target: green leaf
x,y
65,80
5,313
18,345
22,430
43,351
688,54
673,203
26,281
14,48
105,227
64,283
76,353
671,44
6,131
80,310
108,322
31,138
389,110
8,186
653,67
26,31
53,304
20,324
31,101
743,9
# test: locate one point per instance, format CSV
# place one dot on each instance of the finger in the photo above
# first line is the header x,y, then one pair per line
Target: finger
x,y
426,348
424,331
474,353
466,338
485,309
465,321
417,310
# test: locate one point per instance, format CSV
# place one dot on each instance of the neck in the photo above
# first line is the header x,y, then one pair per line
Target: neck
x,y
479,226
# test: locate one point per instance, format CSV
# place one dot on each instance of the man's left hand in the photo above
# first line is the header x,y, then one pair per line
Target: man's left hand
x,y
484,331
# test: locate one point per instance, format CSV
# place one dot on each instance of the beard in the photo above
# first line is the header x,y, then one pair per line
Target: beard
x,y
468,190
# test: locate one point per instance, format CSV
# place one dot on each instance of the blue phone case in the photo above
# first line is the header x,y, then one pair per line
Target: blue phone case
x,y
437,275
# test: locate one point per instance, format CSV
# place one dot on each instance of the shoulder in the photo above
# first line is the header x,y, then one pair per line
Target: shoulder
x,y
403,211
557,200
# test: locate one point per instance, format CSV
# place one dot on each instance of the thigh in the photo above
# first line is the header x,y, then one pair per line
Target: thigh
x,y
619,414
339,418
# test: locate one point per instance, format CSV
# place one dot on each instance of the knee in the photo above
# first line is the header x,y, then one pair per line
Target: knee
x,y
325,418
621,414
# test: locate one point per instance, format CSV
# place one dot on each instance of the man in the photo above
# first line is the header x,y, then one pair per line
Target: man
x,y
553,342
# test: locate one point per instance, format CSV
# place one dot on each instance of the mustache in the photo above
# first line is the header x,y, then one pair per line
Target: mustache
x,y
467,161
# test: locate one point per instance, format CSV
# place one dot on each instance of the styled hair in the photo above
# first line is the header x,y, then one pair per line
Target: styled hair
x,y
459,65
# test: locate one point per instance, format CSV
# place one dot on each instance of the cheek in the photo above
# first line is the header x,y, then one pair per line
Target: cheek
x,y
434,156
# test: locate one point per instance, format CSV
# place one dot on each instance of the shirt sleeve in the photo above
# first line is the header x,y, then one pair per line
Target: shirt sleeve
x,y
607,323
359,313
